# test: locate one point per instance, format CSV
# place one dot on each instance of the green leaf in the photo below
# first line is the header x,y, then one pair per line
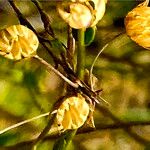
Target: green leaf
x,y
89,35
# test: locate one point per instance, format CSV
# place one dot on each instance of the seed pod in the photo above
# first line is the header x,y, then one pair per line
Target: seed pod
x,y
18,41
71,114
137,23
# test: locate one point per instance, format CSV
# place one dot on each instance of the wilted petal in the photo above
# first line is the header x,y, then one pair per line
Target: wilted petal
x,y
79,15
71,114
18,41
98,10
137,23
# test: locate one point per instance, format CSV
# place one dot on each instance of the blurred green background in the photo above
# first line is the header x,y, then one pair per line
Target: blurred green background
x,y
122,70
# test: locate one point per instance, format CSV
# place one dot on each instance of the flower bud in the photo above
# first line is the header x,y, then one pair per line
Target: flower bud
x,y
18,41
137,23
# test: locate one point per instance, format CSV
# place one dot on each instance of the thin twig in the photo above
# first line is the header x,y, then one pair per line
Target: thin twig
x,y
23,122
70,47
45,18
50,67
92,66
21,18
99,127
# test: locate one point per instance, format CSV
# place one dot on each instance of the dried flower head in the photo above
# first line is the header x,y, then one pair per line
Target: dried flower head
x,y
137,23
18,41
71,114
82,13
78,16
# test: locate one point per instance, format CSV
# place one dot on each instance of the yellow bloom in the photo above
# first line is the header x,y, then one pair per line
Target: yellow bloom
x,y
78,17
71,114
82,13
137,23
99,10
18,41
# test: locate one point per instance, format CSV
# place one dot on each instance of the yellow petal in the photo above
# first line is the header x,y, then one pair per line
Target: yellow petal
x,y
79,15
71,114
99,10
137,23
18,41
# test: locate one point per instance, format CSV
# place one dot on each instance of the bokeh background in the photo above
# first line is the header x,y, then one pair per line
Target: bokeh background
x,y
122,70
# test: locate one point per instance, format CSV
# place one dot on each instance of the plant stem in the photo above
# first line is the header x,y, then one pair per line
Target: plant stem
x,y
23,122
50,67
80,54
63,142
80,73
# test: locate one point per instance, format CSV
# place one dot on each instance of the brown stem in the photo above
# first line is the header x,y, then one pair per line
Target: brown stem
x,y
100,127
45,18
70,47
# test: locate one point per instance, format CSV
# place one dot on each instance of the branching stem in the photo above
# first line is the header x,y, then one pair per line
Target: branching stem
x,y
50,67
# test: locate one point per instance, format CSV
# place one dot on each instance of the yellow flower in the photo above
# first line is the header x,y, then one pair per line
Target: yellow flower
x,y
71,114
137,23
18,41
79,15
82,13
99,10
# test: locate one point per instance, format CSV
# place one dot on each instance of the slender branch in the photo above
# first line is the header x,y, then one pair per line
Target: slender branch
x,y
92,66
22,123
70,47
45,18
21,18
50,67
100,127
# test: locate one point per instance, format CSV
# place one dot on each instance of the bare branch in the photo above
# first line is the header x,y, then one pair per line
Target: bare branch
x,y
21,18
23,122
45,18
75,85
92,66
100,127
70,46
